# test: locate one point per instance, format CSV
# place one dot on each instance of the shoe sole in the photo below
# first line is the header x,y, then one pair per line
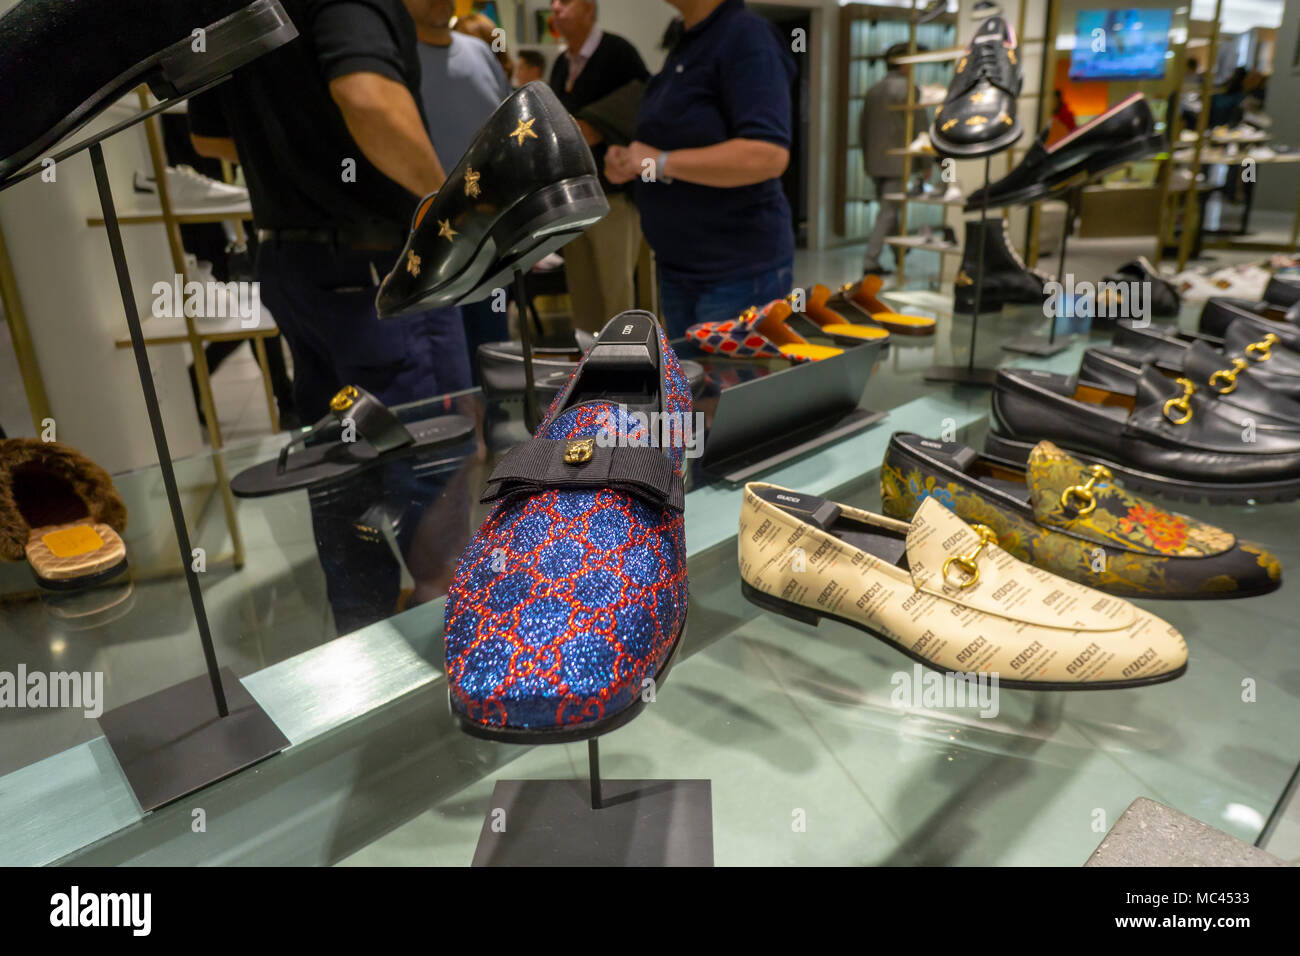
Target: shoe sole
x,y
1098,164
177,71
1177,488
978,150
81,583
535,226
577,732
806,615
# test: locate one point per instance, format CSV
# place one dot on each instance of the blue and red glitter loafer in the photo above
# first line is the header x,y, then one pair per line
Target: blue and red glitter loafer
x,y
571,597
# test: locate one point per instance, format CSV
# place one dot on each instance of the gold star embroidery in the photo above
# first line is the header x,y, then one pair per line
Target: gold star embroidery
x,y
472,189
1004,118
961,67
986,96
948,125
976,120
412,262
524,131
445,230
964,279
1011,55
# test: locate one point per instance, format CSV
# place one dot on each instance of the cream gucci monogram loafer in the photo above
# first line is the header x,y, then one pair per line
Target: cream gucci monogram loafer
x,y
946,595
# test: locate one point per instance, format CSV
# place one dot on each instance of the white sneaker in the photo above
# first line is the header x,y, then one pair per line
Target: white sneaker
x,y
1262,153
189,188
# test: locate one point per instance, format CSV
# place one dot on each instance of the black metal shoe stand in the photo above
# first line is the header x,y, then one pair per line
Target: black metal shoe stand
x,y
1045,345
180,739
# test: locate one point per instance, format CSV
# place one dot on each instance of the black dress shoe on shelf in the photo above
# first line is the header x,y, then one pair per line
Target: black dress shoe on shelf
x,y
1160,295
1244,345
526,186
62,62
1123,134
1117,368
1166,436
1007,280
1283,290
1219,314
978,116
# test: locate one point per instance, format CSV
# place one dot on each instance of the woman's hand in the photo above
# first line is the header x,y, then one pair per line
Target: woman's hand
x,y
619,167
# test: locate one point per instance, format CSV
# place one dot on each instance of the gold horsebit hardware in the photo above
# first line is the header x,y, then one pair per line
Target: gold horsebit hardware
x,y
1084,491
966,562
1182,403
1263,349
579,452
1228,376
345,398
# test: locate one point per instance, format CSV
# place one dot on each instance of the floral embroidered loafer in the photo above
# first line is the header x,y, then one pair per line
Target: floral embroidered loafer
x,y
1070,517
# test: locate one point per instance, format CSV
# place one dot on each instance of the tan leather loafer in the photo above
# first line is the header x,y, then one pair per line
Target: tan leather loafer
x,y
946,595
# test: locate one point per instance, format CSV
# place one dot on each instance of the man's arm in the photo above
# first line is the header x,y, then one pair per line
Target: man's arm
x,y
382,117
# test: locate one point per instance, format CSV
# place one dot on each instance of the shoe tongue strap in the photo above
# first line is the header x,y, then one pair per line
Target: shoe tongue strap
x,y
582,464
375,429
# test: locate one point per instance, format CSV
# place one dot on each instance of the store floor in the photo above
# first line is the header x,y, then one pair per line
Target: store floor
x,y
768,692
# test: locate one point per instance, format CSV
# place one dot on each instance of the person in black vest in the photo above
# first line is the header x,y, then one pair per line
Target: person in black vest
x,y
600,264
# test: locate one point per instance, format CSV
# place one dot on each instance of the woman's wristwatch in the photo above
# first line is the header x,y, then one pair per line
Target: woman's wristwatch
x,y
663,168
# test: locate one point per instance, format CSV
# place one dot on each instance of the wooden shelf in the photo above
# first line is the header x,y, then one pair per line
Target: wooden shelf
x,y
933,56
926,200
173,332
185,217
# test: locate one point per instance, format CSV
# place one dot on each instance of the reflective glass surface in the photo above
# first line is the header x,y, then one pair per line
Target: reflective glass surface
x,y
812,756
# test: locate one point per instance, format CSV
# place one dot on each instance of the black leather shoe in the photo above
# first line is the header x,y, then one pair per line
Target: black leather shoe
x,y
1117,368
1007,280
526,187
1161,295
1271,363
63,62
1167,436
1218,314
1282,290
1123,134
501,364
978,116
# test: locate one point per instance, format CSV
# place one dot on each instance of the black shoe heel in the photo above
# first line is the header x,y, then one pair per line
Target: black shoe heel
x,y
769,603
228,44
540,224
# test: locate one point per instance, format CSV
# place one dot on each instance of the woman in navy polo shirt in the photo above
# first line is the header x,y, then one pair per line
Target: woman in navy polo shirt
x,y
713,139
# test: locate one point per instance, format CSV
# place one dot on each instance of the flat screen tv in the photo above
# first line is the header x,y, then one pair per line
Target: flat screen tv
x,y
1121,44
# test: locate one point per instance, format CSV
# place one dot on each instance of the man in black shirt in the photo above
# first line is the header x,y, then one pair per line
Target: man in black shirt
x,y
600,264
333,145
334,148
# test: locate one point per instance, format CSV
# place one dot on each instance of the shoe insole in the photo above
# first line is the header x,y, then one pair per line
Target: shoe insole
x,y
65,553
809,351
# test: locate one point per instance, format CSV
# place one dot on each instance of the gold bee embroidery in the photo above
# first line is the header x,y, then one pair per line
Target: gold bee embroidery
x,y
1004,118
985,97
412,262
472,189
961,67
445,230
948,125
976,120
524,131
1011,55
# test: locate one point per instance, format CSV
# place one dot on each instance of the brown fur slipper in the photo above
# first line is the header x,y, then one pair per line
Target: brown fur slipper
x,y
60,511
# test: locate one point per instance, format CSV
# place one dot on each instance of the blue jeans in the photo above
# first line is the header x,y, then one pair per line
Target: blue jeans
x,y
323,299
686,301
